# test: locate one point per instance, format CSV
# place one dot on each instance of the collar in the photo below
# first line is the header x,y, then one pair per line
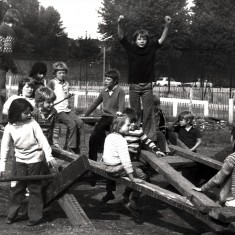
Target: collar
x,y
60,82
112,90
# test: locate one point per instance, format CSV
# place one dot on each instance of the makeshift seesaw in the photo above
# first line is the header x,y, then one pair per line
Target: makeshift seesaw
x,y
192,202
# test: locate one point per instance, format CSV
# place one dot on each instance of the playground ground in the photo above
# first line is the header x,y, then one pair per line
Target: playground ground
x,y
113,218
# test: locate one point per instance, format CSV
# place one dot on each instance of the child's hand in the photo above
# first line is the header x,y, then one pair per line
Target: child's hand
x,y
57,146
70,95
167,20
121,18
118,113
197,189
138,181
160,154
53,164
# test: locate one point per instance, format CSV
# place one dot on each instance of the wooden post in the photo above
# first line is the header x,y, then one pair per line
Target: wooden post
x,y
175,108
230,110
9,85
191,100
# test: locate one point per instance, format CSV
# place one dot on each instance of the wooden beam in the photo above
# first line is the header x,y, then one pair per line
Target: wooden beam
x,y
152,190
199,200
65,178
196,157
178,161
64,155
223,214
74,211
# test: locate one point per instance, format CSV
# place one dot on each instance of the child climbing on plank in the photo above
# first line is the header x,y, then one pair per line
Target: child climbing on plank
x,y
225,178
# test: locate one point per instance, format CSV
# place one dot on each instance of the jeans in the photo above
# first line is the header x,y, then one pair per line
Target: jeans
x,y
2,91
75,126
97,138
35,204
144,92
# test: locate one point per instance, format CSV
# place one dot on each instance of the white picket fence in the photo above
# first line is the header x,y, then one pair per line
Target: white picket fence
x,y
171,106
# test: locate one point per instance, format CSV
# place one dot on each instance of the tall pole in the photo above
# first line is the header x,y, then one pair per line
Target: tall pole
x,y
104,63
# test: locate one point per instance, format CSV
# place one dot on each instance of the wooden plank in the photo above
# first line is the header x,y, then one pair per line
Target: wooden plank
x,y
74,211
198,199
65,178
90,120
223,214
152,190
178,161
64,155
196,157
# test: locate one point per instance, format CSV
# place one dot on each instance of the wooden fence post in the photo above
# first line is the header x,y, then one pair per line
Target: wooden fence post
x,y
230,110
175,108
206,108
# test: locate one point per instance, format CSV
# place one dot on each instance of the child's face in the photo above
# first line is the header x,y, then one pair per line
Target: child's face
x,y
39,76
27,90
47,106
183,122
133,126
141,41
125,128
60,75
26,115
109,83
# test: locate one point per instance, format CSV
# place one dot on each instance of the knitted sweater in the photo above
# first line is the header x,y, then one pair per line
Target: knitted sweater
x,y
226,170
30,144
111,103
7,43
136,138
116,152
49,125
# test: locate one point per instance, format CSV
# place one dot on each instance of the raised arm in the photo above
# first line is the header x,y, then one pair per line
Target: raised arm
x,y
120,27
165,31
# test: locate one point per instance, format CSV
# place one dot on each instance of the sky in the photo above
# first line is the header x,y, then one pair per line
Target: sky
x,y
78,16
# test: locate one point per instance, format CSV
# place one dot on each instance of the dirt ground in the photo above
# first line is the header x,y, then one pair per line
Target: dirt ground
x,y
113,218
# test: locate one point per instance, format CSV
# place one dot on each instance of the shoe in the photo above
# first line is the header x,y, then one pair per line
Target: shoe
x,y
108,197
10,221
131,206
230,203
33,223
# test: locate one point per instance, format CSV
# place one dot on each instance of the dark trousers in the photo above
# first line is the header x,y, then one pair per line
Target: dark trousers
x,y
2,91
97,138
140,92
35,204
138,168
75,126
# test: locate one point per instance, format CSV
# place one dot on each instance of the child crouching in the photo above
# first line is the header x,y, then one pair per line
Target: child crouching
x,y
30,148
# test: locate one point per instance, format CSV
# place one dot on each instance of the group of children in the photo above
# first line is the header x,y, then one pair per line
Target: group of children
x,y
33,126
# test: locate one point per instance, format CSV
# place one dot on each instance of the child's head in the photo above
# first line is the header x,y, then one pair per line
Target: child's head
x,y
38,71
60,70
120,124
141,38
156,101
19,111
133,118
185,118
111,78
44,98
232,139
26,87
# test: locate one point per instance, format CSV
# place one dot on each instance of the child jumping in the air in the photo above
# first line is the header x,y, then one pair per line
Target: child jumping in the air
x,y
141,58
117,159
225,178
30,149
46,115
65,115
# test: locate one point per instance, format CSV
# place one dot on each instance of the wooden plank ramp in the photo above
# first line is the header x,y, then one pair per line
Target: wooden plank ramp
x,y
196,157
58,188
199,200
